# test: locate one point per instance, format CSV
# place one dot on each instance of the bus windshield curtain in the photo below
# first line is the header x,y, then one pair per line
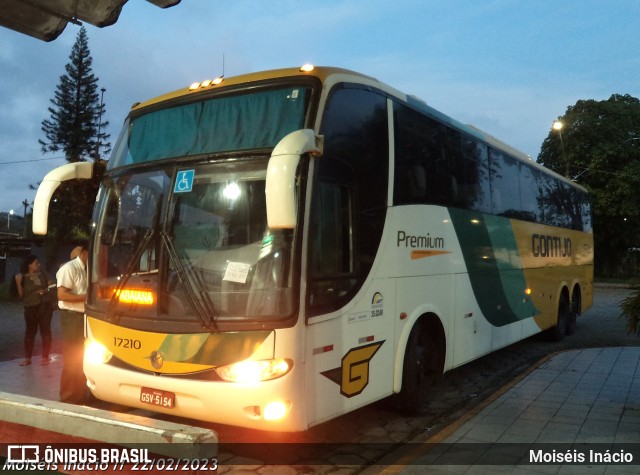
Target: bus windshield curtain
x,y
243,122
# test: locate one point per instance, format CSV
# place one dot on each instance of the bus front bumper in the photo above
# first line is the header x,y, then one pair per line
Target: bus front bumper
x,y
268,405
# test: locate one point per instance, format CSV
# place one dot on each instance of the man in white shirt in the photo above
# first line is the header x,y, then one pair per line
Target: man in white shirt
x,y
72,293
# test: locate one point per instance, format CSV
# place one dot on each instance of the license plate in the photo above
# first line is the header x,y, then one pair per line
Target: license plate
x,y
157,397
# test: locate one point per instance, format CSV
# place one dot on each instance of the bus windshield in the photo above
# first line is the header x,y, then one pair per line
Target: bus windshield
x,y
203,254
228,123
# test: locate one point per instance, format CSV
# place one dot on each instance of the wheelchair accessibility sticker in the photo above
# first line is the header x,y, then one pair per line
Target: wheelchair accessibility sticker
x,y
184,181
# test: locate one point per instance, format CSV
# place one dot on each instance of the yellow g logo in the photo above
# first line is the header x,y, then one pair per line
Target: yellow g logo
x,y
353,374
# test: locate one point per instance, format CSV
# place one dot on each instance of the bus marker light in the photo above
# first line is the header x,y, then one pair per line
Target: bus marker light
x,y
97,353
194,86
403,315
322,349
217,80
307,68
527,291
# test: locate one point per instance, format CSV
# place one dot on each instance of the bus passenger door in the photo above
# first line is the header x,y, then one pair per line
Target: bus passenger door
x,y
350,355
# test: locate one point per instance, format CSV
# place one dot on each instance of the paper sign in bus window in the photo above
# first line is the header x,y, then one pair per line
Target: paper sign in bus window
x,y
236,272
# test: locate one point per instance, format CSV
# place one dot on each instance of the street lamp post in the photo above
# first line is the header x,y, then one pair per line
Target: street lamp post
x,y
102,91
25,203
557,126
9,219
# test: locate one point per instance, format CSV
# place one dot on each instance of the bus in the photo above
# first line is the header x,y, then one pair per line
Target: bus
x,y
276,249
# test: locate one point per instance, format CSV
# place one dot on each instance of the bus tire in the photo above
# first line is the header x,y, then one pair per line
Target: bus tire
x,y
415,373
574,309
558,331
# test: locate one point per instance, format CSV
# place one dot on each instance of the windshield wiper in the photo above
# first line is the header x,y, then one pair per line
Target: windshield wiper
x,y
198,297
133,262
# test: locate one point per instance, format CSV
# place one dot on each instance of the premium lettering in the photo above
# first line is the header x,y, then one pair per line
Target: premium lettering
x,y
422,242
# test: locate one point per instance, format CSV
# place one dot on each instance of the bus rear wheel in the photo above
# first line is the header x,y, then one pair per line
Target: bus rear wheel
x,y
574,310
559,330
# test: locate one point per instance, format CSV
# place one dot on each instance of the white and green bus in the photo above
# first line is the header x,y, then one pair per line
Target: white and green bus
x,y
276,249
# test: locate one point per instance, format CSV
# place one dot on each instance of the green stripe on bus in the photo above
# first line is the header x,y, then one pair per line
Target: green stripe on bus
x,y
491,255
215,349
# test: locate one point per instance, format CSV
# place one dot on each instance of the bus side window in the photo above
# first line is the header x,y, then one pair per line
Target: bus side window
x,y
531,194
417,181
505,190
411,182
420,147
470,170
349,202
331,259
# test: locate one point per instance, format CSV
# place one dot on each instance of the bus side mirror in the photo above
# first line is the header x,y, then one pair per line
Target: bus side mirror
x,y
70,171
280,184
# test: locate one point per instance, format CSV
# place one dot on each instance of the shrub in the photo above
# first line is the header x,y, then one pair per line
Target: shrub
x,y
631,312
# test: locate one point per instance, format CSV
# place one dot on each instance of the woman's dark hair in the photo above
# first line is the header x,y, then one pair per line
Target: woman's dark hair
x,y
27,262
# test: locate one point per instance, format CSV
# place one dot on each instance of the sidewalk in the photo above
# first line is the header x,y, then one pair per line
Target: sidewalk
x,y
34,380
573,402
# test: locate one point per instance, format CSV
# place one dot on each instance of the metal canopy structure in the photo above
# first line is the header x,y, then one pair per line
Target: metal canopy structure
x,y
46,19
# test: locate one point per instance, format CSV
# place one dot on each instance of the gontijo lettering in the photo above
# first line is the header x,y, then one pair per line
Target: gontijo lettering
x,y
550,246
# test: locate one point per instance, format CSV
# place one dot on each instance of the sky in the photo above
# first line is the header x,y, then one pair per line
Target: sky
x,y
509,67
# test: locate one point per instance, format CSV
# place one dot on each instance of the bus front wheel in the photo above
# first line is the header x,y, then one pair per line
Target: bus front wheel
x,y
417,371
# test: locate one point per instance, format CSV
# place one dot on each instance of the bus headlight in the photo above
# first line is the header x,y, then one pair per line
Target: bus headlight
x,y
97,353
250,371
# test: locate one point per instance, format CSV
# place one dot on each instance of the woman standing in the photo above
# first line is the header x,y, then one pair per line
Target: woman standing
x,y
33,288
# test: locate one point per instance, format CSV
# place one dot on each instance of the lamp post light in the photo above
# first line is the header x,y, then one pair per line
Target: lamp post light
x,y
557,126
9,218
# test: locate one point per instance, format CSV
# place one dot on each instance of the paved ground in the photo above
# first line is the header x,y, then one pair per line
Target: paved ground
x,y
378,428
12,331
585,403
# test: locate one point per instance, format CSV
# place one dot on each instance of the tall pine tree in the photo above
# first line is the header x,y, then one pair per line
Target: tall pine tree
x,y
75,127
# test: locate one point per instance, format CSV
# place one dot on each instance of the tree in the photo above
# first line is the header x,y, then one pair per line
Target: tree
x,y
75,127
600,149
77,109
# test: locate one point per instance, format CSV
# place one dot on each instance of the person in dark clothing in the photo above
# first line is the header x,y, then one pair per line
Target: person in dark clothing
x,y
33,288
72,292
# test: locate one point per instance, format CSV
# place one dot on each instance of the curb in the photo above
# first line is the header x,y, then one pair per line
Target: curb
x,y
168,438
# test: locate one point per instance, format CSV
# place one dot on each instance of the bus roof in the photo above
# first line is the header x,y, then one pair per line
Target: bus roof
x,y
323,73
